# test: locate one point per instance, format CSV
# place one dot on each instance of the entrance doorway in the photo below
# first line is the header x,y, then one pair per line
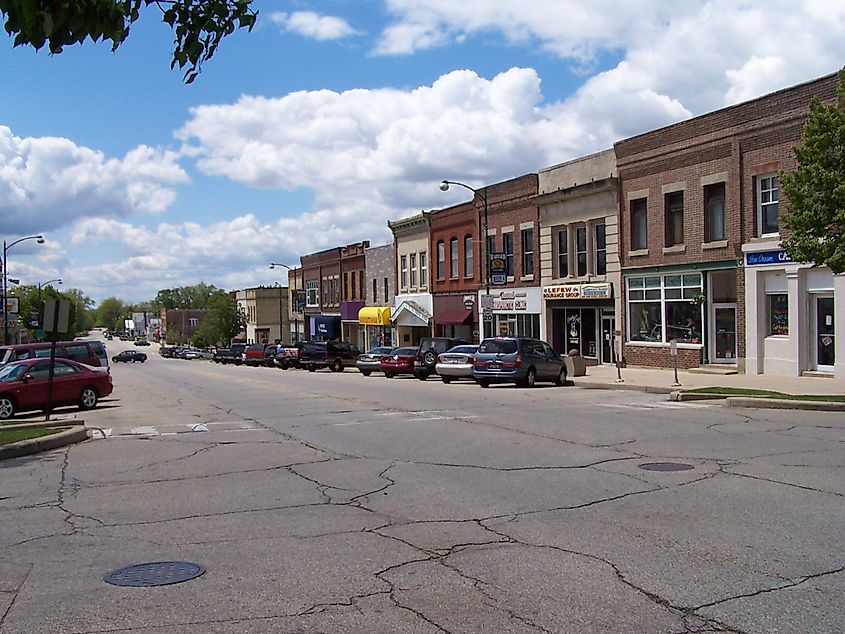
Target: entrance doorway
x,y
608,331
723,333
824,336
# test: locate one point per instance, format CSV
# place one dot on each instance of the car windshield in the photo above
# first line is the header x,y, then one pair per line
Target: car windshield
x,y
405,351
11,372
383,350
464,349
498,346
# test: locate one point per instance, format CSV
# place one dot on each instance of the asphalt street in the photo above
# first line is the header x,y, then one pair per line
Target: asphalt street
x,y
322,502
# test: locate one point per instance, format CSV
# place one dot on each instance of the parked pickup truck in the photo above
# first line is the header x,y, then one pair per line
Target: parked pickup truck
x,y
254,354
232,354
336,355
286,357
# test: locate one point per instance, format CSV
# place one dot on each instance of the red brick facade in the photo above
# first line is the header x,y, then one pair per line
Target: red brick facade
x,y
511,207
733,146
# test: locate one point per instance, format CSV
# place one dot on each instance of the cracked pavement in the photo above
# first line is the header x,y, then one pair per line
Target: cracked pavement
x,y
341,503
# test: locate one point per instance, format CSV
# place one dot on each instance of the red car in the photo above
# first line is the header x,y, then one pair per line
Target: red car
x,y
23,385
400,361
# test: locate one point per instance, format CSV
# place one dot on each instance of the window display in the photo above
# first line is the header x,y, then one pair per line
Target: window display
x,y
671,300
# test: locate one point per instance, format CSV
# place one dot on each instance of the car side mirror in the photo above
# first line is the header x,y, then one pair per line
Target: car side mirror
x,y
26,378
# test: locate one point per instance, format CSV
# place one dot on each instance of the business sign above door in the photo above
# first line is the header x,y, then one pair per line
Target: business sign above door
x,y
578,291
767,257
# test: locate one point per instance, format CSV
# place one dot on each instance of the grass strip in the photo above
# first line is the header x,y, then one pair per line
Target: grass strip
x,y
740,391
8,436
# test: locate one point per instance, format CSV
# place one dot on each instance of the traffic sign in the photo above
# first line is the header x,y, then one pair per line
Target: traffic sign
x,y
487,314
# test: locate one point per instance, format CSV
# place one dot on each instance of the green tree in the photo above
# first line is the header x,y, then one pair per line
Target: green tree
x,y
198,25
110,314
81,317
195,296
223,321
815,214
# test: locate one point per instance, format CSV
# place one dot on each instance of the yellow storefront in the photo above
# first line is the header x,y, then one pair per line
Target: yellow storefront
x,y
376,322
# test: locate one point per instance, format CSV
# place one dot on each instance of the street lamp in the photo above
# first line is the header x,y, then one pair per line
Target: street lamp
x,y
40,239
481,193
273,265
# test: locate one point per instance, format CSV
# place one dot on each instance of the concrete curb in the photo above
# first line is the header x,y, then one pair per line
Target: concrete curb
x,y
26,447
777,403
679,395
622,386
68,422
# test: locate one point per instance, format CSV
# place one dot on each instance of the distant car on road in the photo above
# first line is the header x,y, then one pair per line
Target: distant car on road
x,y
142,342
368,362
23,385
129,356
398,361
190,353
519,360
167,353
456,363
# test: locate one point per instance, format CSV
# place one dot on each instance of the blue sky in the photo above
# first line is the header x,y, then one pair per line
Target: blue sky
x,y
330,118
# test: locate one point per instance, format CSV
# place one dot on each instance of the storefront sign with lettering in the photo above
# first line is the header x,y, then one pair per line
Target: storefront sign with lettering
x,y
578,291
767,257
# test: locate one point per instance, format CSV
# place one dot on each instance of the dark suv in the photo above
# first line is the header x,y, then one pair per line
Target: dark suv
x,y
336,355
517,360
427,353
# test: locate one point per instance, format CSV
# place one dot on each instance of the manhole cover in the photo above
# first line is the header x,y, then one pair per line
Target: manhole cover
x,y
159,573
666,466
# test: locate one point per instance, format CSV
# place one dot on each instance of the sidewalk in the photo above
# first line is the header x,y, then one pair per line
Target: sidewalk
x,y
661,380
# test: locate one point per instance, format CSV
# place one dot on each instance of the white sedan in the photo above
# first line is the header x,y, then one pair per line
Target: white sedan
x,y
456,363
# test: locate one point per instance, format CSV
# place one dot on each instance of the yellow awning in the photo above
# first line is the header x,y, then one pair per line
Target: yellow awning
x,y
374,316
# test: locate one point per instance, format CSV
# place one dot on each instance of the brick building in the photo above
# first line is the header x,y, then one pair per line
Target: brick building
x,y
697,200
179,325
380,293
321,278
353,291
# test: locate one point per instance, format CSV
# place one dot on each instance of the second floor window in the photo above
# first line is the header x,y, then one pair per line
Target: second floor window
x,y
453,258
581,251
423,270
386,290
507,245
193,321
562,253
767,204
714,207
413,270
403,267
601,250
674,203
528,252
311,295
639,224
354,293
375,291
468,256
441,260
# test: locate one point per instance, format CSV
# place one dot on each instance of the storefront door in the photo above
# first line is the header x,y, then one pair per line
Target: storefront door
x,y
608,329
825,334
723,333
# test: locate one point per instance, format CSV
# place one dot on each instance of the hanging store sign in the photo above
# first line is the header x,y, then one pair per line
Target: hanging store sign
x,y
767,257
498,269
578,291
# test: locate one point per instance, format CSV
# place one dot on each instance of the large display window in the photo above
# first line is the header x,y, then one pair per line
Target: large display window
x,y
665,307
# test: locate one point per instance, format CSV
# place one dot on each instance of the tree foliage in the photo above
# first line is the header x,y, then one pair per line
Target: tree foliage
x,y
816,190
198,25
31,298
185,297
110,313
222,323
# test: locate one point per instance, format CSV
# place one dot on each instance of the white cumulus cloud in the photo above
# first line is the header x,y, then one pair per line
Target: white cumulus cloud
x,y
49,182
313,25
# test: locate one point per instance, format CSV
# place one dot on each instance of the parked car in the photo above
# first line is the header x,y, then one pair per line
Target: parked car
x,y
517,360
368,362
167,353
142,342
23,385
254,354
286,357
88,352
426,362
456,363
335,354
129,356
232,354
189,353
398,361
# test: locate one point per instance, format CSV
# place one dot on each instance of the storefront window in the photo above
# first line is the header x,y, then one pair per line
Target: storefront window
x,y
579,331
778,309
513,325
671,300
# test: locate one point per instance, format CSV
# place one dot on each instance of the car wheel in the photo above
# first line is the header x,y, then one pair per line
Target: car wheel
x,y
484,383
311,368
337,366
446,379
88,399
366,372
114,359
530,378
388,375
561,377
430,356
422,376
133,359
7,407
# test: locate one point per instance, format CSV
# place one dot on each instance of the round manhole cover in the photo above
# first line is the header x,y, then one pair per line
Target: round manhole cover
x,y
666,466
159,573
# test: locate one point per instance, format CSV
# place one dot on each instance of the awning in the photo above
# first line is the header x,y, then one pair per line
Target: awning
x,y
453,316
374,316
409,313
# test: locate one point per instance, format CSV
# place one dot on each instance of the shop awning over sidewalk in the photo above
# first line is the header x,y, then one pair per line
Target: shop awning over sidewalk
x,y
454,317
409,313
374,316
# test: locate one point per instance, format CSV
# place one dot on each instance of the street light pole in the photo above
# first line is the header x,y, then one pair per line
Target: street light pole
x,y
6,248
481,193
273,265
